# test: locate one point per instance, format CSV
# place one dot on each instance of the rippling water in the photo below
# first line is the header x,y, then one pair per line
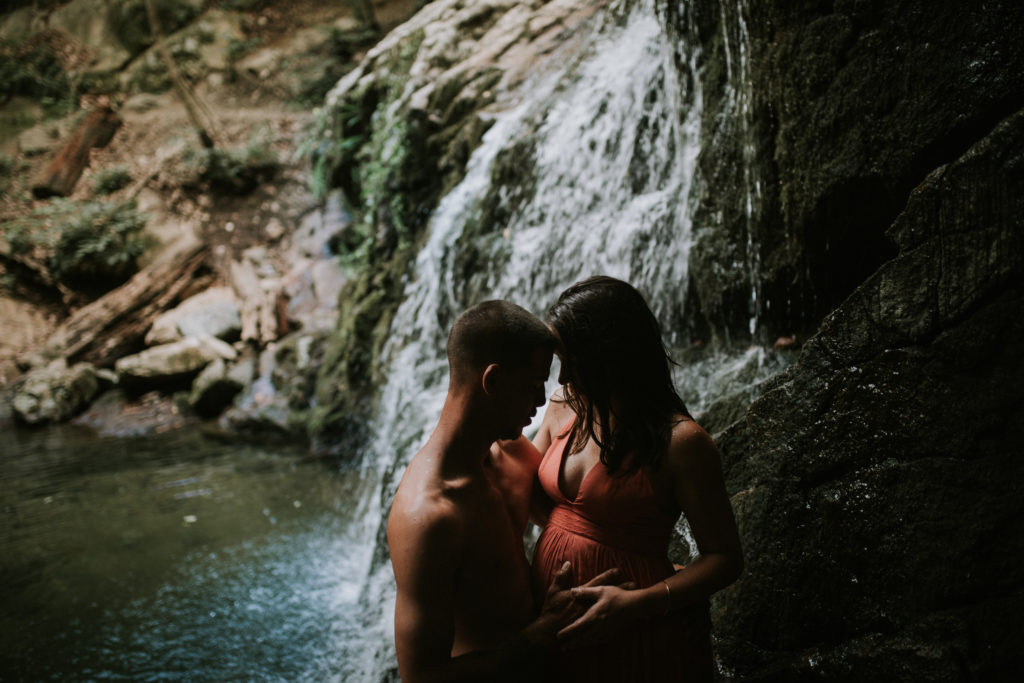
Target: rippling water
x,y
173,557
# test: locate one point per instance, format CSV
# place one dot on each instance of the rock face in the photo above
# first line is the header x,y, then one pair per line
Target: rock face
x,y
55,393
879,486
819,120
878,151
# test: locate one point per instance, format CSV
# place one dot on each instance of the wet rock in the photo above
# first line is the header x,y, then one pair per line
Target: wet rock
x,y
171,366
55,393
214,312
122,414
272,420
218,384
872,479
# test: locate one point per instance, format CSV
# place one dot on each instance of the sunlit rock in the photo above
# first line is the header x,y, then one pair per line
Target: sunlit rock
x,y
214,312
171,365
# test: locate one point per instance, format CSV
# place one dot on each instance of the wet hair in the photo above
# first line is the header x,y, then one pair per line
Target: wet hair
x,y
495,332
617,367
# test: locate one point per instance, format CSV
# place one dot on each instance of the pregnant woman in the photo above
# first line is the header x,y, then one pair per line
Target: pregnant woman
x,y
622,459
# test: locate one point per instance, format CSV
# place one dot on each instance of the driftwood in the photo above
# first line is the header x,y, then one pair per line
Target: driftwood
x,y
261,318
116,324
36,273
60,176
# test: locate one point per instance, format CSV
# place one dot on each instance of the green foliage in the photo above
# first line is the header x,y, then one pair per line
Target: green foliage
x,y
231,172
338,53
92,246
33,68
237,48
131,23
110,180
333,144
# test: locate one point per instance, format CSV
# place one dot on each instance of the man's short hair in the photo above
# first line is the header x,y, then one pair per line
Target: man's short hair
x,y
495,332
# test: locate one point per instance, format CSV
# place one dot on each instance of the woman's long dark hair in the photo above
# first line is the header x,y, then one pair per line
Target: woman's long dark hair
x,y
619,373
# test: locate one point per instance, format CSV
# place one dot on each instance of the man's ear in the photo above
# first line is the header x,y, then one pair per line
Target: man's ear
x,y
489,380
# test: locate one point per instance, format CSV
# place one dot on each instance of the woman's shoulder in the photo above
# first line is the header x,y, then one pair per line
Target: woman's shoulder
x,y
690,444
557,414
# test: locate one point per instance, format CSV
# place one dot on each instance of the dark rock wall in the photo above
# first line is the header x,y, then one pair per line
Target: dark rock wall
x,y
878,482
836,110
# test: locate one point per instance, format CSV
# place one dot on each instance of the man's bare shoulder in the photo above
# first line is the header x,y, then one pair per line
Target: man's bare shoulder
x,y
424,502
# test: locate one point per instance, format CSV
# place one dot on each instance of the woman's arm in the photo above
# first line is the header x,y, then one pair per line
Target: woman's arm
x,y
699,487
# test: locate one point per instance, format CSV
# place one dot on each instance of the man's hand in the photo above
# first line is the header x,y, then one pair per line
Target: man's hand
x,y
561,605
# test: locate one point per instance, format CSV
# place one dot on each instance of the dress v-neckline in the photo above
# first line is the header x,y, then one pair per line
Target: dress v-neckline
x,y
560,476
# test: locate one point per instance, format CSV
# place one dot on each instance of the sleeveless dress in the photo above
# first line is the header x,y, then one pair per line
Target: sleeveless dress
x,y
616,521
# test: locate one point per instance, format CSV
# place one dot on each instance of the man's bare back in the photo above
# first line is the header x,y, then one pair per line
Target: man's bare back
x,y
489,596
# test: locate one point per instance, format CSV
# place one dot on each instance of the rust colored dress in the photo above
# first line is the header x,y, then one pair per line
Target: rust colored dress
x,y
616,521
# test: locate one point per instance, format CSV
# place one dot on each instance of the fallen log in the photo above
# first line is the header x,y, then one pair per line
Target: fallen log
x,y
95,130
115,324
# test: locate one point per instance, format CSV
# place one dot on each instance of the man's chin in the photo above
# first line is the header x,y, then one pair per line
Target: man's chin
x,y
511,435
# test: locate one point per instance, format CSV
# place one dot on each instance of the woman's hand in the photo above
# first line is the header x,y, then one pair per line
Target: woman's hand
x,y
611,608
563,606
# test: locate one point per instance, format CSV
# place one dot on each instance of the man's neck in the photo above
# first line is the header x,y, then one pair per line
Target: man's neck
x,y
461,439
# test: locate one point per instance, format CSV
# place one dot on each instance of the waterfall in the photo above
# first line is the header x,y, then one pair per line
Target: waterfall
x,y
739,107
609,140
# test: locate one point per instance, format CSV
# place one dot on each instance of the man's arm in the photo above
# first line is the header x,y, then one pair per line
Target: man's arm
x,y
426,548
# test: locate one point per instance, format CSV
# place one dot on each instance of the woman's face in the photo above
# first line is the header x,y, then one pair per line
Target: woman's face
x,y
565,376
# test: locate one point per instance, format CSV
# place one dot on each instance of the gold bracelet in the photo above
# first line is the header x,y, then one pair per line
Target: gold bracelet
x,y
668,594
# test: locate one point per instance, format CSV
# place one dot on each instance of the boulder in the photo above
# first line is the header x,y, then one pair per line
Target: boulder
x,y
171,366
214,312
122,414
91,24
218,384
55,393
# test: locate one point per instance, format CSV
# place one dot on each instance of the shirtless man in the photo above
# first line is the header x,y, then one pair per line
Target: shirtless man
x,y
464,608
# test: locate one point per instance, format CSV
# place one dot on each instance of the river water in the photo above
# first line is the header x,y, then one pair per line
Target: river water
x,y
173,557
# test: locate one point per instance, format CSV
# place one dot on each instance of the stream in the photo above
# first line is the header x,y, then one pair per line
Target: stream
x,y
173,557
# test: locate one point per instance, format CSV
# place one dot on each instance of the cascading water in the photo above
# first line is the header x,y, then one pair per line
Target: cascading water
x,y
611,140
